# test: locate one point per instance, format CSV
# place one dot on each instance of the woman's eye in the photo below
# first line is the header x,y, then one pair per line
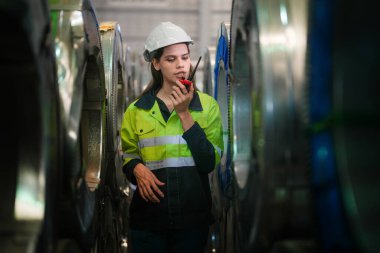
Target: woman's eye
x,y
170,59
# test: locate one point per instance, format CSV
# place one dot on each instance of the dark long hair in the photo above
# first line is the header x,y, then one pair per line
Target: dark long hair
x,y
157,78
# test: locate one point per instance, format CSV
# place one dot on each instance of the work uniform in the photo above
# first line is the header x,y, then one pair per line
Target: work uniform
x,y
182,160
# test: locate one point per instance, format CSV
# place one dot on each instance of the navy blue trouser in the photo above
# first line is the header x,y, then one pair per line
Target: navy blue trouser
x,y
189,240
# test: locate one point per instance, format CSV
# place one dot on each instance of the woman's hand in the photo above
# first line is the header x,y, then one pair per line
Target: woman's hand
x,y
181,99
147,183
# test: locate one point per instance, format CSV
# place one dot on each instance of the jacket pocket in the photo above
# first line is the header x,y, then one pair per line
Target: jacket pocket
x,y
146,133
145,129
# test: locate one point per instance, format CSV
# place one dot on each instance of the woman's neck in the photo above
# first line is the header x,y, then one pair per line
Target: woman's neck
x,y
164,94
165,90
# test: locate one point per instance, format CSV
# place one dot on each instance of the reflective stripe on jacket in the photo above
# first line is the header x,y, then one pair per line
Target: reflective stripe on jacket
x,y
159,144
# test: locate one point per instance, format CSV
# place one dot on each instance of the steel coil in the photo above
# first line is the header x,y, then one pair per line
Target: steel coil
x,y
83,113
115,77
272,206
111,230
244,55
30,127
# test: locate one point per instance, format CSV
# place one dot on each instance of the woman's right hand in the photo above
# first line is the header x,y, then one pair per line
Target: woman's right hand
x,y
147,183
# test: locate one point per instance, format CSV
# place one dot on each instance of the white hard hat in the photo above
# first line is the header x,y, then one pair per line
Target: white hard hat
x,y
163,35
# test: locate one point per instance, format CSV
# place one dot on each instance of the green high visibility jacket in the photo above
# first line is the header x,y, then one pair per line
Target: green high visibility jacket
x,y
182,160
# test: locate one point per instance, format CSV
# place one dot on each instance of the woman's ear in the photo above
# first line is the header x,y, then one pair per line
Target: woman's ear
x,y
156,64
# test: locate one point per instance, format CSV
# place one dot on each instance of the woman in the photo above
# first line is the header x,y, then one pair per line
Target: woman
x,y
171,139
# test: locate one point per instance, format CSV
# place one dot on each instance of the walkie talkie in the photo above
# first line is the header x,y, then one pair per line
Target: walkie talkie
x,y
188,82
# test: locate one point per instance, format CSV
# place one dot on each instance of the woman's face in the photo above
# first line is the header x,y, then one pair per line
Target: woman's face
x,y
174,63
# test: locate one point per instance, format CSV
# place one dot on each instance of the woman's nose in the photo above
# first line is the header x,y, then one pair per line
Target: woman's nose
x,y
180,63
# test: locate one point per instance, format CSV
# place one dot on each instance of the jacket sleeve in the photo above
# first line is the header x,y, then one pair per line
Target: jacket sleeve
x,y
129,144
206,145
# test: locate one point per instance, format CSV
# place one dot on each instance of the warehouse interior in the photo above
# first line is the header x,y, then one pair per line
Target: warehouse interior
x,y
297,83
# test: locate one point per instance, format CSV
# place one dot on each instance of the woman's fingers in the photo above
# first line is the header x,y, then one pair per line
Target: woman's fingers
x,y
146,191
156,189
183,88
147,183
142,192
148,194
177,97
177,94
153,184
153,197
158,181
186,86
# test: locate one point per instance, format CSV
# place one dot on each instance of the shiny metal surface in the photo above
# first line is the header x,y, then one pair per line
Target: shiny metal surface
x,y
70,58
93,137
130,75
115,78
82,111
269,146
30,128
208,70
280,129
244,57
141,74
117,97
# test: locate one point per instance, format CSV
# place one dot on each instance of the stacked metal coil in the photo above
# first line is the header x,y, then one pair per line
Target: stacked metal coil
x,y
112,191
69,105
30,127
82,93
272,207
300,180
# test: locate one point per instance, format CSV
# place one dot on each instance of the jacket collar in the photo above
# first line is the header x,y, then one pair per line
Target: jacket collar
x,y
147,101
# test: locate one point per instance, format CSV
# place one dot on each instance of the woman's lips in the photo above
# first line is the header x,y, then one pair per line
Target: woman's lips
x,y
180,75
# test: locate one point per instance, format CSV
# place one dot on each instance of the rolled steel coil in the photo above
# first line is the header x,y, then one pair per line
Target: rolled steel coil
x,y
301,182
82,93
272,206
111,229
115,77
30,128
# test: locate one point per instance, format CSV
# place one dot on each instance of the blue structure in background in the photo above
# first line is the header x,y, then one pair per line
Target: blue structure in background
x,y
222,55
328,199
